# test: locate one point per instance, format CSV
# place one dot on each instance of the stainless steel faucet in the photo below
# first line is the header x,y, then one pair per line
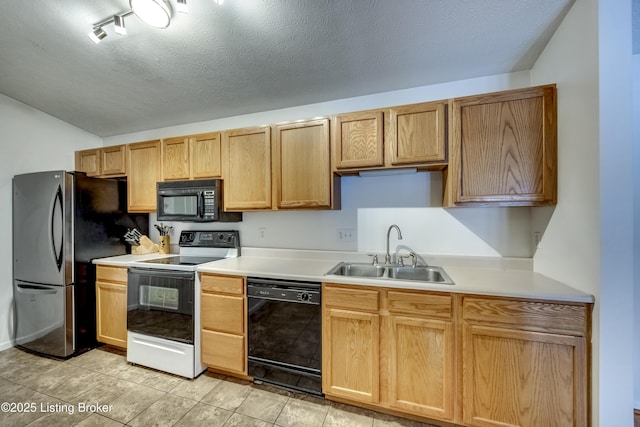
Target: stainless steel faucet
x,y
387,256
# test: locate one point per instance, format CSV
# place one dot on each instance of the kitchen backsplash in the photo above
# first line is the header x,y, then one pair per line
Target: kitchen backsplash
x,y
369,206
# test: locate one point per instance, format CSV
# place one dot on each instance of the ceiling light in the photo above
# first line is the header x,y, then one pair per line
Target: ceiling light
x,y
182,7
156,13
118,23
97,35
218,2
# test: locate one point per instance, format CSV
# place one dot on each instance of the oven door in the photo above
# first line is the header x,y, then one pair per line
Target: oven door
x,y
160,303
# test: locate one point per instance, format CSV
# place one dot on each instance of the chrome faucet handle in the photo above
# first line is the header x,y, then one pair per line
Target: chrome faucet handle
x,y
400,259
374,261
414,259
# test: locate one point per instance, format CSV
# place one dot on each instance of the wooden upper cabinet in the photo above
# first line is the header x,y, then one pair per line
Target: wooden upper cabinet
x,y
359,139
107,162
205,155
409,135
88,161
301,165
113,161
503,149
175,158
247,168
191,157
144,171
417,134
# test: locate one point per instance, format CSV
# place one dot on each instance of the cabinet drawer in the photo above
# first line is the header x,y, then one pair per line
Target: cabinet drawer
x,y
111,274
351,298
569,319
420,304
223,313
225,284
224,351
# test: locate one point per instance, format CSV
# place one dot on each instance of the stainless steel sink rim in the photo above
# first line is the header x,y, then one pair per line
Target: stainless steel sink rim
x,y
392,272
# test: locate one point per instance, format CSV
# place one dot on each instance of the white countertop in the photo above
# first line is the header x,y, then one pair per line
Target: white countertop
x,y
482,276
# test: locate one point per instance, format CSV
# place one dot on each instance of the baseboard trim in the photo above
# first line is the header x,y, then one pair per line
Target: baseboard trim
x,y
6,345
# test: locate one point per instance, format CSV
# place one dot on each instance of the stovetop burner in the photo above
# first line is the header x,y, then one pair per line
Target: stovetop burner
x,y
182,260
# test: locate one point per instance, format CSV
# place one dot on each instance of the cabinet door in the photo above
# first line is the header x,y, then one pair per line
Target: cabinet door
x,y
247,173
175,158
359,140
88,161
421,378
517,378
222,313
111,313
416,134
503,148
205,155
302,169
350,359
224,351
114,161
143,172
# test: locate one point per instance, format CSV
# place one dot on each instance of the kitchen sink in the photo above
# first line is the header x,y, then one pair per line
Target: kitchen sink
x,y
428,274
358,269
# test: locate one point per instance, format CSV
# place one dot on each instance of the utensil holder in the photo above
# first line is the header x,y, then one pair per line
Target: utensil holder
x,y
164,245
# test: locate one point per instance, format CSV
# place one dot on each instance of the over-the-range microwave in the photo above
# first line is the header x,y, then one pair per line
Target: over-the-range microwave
x,y
193,201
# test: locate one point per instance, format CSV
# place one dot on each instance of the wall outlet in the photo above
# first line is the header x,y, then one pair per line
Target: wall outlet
x,y
345,234
262,233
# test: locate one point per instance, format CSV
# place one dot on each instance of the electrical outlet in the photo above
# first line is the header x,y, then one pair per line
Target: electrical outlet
x,y
262,233
345,234
536,239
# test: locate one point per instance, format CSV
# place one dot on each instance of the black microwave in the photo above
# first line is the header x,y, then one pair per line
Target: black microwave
x,y
193,201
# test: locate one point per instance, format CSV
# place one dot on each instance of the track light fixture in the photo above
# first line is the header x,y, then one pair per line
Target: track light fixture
x,y
156,13
97,35
182,7
118,24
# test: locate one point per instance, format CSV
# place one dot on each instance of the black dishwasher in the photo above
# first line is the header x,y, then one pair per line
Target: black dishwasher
x,y
284,328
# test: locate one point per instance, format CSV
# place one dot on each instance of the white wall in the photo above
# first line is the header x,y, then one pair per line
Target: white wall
x,y
587,243
636,226
32,141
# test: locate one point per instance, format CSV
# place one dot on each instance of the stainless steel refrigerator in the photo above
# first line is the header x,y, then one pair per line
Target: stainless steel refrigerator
x,y
61,222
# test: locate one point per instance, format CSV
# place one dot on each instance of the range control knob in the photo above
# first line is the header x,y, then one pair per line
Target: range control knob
x,y
303,296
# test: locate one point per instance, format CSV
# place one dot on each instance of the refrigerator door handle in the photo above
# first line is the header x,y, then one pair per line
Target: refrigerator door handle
x,y
57,254
34,289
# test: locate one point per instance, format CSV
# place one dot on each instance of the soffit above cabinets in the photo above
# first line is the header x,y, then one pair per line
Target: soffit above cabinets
x,y
254,55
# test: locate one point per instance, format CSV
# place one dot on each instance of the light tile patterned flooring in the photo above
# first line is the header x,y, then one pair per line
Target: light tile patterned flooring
x,y
38,391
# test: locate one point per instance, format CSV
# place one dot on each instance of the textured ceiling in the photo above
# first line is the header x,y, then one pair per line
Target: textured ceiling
x,y
254,55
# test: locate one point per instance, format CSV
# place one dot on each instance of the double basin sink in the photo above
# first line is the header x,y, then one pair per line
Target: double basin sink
x,y
428,274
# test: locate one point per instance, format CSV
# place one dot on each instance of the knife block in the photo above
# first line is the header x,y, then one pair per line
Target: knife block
x,y
146,247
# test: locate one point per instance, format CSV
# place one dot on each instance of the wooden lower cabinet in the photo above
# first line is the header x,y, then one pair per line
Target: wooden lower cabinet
x,y
223,323
525,363
385,348
111,305
421,366
351,367
454,358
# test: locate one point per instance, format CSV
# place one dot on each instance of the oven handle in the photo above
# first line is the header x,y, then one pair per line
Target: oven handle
x,y
162,273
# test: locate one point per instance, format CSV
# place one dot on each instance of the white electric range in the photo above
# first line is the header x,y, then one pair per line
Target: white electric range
x,y
163,303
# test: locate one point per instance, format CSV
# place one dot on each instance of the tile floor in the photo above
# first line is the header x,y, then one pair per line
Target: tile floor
x,y
99,388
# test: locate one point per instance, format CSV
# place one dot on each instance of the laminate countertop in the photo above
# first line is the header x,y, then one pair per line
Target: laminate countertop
x,y
508,277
